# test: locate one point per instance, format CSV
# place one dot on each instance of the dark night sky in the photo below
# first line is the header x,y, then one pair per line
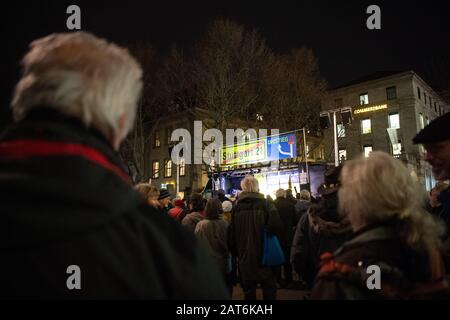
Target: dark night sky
x,y
414,35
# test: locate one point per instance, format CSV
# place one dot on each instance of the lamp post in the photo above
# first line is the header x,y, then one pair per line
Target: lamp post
x,y
346,113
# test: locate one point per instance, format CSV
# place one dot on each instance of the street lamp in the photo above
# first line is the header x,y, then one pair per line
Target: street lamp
x,y
347,118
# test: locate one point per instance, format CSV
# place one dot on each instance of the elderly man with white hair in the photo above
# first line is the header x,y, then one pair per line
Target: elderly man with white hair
x,y
251,215
72,225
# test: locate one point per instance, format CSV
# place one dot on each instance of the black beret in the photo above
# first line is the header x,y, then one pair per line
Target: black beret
x,y
438,130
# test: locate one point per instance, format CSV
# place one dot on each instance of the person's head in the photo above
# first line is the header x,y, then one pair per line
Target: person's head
x,y
227,206
331,185
148,191
379,189
250,184
297,196
305,195
164,197
434,193
436,140
81,76
196,202
221,193
280,193
438,155
213,209
289,193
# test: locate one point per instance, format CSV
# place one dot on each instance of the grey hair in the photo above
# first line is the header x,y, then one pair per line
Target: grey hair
x,y
380,189
280,193
305,195
81,76
250,184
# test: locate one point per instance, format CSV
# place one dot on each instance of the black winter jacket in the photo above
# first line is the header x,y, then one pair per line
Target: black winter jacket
x,y
65,200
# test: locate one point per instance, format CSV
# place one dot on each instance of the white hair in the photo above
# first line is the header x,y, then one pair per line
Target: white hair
x,y
82,76
380,189
305,195
250,184
280,193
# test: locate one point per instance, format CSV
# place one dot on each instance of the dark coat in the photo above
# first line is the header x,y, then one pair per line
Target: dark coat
x,y
288,217
250,215
404,272
61,206
320,230
444,216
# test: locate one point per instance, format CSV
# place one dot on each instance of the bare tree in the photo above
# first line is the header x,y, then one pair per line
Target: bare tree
x,y
297,90
135,149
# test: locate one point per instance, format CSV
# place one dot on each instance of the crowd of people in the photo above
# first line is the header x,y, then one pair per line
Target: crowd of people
x,y
66,200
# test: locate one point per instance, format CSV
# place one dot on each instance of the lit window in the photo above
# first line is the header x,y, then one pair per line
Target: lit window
x,y
182,167
427,120
340,130
366,126
367,150
342,155
394,121
421,121
157,140
364,98
391,93
168,168
397,149
155,170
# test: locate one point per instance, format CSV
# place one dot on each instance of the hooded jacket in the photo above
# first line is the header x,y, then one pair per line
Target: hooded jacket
x,y
320,230
66,201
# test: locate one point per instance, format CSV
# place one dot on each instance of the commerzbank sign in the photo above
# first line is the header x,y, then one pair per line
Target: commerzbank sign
x,y
370,109
264,149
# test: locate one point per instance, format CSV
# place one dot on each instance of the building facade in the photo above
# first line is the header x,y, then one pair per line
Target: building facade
x,y
388,111
190,177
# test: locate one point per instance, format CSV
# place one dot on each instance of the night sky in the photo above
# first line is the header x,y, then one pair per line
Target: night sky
x,y
414,35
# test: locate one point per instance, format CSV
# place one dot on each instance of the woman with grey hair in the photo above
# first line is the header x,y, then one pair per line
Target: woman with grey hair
x,y
396,244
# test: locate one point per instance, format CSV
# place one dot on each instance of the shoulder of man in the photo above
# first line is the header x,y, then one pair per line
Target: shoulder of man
x,y
183,259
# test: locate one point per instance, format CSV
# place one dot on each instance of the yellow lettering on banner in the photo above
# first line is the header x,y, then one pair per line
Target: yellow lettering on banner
x,y
246,153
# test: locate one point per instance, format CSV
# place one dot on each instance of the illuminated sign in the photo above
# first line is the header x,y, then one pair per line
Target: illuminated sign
x,y
371,109
244,153
265,149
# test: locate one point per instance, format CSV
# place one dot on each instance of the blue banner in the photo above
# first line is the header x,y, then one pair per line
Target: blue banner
x,y
281,147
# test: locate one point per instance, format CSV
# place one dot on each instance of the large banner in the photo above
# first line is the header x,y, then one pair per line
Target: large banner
x,y
265,149
244,153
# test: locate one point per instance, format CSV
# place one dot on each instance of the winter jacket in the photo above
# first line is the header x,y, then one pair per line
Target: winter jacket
x,y
302,207
403,273
444,215
320,230
288,217
190,220
251,215
67,205
214,233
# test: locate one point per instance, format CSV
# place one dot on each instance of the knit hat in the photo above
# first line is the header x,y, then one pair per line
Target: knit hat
x,y
163,193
